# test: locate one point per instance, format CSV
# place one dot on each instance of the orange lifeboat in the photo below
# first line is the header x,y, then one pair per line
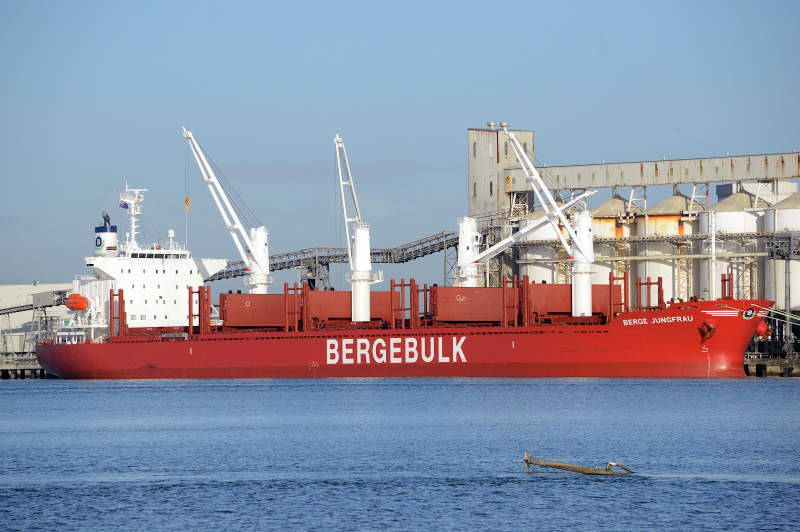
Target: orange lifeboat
x,y
77,302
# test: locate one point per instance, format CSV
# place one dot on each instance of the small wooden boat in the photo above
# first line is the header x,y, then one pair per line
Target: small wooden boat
x,y
534,461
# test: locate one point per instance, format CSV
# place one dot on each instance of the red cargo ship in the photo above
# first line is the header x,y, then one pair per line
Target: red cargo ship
x,y
522,330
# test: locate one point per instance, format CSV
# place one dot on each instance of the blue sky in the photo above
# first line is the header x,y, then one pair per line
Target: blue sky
x,y
96,93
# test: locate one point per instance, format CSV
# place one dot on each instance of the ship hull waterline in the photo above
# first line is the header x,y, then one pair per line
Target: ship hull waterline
x,y
657,344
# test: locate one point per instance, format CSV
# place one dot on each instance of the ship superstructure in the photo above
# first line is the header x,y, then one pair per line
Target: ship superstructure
x,y
154,279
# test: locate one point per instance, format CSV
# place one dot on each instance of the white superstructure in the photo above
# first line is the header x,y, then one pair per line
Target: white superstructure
x,y
155,280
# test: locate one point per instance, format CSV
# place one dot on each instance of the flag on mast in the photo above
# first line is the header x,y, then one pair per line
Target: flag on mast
x,y
123,205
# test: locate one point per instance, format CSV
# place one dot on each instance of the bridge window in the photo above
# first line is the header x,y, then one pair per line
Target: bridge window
x,y
506,149
474,190
176,273
525,147
133,317
142,317
490,188
474,149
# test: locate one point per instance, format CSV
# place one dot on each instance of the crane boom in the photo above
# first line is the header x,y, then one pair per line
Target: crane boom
x,y
256,242
358,249
522,233
540,189
341,161
217,192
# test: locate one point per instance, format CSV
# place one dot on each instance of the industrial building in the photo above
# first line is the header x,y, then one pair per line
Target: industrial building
x,y
751,234
24,310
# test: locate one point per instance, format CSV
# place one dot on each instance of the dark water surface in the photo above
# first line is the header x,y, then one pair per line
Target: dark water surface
x,y
398,453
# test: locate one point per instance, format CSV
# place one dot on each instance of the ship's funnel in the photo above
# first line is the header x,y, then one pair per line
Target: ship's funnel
x,y
105,241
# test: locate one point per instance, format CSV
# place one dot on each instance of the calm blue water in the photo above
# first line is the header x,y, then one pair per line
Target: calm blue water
x,y
398,454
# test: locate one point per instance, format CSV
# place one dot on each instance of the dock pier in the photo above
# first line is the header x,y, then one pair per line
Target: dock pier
x,y
755,366
20,367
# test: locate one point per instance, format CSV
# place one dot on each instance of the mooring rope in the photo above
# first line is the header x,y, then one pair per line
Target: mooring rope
x,y
773,311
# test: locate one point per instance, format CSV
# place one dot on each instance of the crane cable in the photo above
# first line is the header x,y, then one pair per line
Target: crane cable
x,y
239,206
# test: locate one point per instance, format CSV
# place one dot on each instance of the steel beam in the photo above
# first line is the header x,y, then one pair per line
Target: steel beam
x,y
672,172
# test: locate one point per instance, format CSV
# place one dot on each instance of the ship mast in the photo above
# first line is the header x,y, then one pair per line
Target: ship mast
x,y
130,199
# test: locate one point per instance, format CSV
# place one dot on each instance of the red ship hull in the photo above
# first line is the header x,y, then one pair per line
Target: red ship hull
x,y
658,343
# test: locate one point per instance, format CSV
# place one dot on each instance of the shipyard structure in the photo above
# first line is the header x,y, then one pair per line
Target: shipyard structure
x,y
750,237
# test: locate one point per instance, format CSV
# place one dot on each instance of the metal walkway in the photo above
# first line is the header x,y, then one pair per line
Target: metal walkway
x,y
315,261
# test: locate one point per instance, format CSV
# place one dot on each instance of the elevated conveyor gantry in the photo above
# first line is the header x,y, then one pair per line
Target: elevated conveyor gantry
x,y
315,261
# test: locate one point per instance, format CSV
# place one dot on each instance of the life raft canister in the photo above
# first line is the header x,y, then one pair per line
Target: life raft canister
x,y
77,302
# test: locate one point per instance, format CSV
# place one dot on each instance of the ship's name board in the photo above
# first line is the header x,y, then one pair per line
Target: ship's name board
x,y
663,319
395,350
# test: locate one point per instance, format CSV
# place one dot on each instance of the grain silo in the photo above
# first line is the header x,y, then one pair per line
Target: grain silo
x,y
781,217
541,271
612,219
735,215
668,219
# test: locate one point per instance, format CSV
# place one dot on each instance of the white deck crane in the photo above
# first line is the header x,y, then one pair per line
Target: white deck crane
x,y
257,259
581,252
358,250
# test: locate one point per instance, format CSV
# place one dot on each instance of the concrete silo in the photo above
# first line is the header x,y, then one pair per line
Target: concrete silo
x,y
734,215
669,219
612,220
538,272
783,216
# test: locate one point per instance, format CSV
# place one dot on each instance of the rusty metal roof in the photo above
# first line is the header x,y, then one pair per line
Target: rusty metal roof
x,y
738,202
792,202
675,204
614,207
